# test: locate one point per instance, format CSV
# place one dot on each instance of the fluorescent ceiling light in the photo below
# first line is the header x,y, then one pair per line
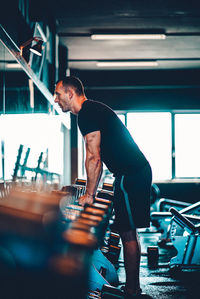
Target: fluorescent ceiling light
x,y
127,36
127,63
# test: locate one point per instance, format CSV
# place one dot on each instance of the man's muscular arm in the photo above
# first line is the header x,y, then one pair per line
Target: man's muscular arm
x,y
93,165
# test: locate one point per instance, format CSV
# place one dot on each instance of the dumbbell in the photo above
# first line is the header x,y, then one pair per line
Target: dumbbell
x,y
97,208
94,211
96,221
91,217
111,238
114,239
103,200
87,224
107,186
87,221
80,237
83,230
80,182
80,225
112,253
152,257
109,292
105,204
105,194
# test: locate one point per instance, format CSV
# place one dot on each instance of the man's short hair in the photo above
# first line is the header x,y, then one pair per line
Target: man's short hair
x,y
73,82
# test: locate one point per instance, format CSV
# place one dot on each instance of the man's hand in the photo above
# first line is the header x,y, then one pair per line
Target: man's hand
x,y
86,199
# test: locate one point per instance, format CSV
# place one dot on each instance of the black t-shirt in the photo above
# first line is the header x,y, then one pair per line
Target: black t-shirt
x,y
119,152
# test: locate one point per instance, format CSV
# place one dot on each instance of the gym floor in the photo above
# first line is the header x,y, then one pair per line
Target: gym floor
x,y
157,281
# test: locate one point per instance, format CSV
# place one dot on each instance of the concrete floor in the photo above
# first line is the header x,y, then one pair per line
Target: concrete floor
x,y
157,282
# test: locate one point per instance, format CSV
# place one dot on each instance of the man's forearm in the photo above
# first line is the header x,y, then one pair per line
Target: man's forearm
x,y
94,169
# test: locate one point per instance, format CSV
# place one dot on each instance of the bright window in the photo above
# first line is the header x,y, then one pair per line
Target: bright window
x,y
187,145
81,156
1,174
39,132
122,117
152,133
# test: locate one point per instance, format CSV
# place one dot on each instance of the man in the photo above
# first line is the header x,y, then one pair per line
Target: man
x,y
108,140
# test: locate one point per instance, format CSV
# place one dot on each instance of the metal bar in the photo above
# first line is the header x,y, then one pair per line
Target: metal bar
x,y
173,150
142,87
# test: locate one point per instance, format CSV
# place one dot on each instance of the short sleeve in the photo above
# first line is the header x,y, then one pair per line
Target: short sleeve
x,y
88,119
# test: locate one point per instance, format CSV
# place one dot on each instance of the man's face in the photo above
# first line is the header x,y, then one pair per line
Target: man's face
x,y
61,97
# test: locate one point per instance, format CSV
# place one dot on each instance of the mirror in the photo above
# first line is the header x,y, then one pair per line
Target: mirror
x,y
18,93
31,136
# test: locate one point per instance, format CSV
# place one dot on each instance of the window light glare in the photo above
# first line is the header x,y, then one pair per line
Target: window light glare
x,y
13,66
126,36
127,63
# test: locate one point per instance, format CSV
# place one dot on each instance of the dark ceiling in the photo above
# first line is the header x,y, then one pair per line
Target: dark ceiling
x,y
76,20
178,56
179,20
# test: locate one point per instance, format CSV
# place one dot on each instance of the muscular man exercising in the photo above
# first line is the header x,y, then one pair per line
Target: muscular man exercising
x,y
108,140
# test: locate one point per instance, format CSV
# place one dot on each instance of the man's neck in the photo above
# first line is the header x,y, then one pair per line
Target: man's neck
x,y
78,104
